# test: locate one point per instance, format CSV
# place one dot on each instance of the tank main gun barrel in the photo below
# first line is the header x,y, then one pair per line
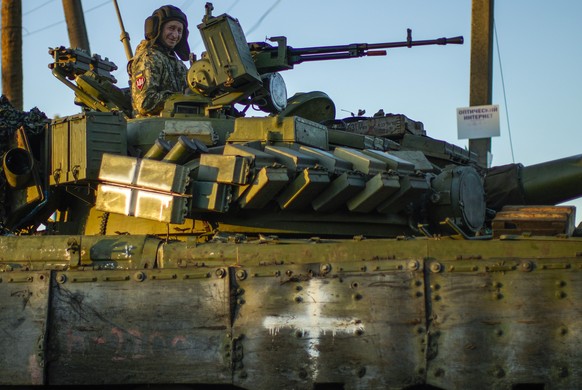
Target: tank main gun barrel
x,y
547,183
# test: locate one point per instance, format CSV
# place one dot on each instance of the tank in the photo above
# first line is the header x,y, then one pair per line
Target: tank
x,y
205,247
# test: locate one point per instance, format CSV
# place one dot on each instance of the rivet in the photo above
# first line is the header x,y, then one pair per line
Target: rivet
x,y
361,372
436,268
241,274
62,278
358,297
413,265
359,332
298,288
354,285
560,283
497,296
298,299
139,276
437,297
526,266
220,272
560,294
563,330
325,268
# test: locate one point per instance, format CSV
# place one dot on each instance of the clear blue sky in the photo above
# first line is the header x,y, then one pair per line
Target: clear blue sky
x,y
539,44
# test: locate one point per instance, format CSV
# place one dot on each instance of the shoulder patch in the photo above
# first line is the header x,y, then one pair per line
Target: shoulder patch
x,y
139,81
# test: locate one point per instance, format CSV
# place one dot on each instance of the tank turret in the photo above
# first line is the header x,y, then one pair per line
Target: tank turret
x,y
207,247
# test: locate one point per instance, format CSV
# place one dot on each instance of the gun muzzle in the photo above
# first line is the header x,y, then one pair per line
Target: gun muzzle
x,y
17,164
453,41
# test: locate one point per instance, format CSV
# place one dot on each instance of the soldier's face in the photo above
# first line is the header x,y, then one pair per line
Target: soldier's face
x,y
172,33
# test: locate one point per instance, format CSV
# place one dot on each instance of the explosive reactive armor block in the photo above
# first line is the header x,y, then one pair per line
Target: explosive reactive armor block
x,y
143,188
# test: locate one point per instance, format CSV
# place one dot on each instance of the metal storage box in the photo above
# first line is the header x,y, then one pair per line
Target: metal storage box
x,y
274,130
78,143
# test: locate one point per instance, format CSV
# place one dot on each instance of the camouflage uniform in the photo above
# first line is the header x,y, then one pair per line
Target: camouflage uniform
x,y
156,73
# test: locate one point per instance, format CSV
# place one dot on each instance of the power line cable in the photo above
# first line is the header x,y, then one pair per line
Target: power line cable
x,y
262,18
63,21
504,94
37,8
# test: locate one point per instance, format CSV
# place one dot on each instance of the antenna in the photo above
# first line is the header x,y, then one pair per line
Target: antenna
x,y
124,35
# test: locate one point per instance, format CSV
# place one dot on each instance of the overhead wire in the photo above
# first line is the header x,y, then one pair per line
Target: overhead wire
x,y
37,8
504,93
63,21
262,18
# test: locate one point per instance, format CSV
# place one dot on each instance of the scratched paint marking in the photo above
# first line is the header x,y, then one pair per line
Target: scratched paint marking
x,y
313,325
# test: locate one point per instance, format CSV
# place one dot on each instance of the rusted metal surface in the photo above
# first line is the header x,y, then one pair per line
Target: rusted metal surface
x,y
362,314
506,322
23,321
150,326
325,323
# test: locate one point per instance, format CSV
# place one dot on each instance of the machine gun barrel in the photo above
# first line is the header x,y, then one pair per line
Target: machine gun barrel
x,y
321,53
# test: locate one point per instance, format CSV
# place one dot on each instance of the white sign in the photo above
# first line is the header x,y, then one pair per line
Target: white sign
x,y
478,122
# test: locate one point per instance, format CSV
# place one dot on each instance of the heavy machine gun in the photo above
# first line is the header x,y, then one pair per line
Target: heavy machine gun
x,y
234,71
198,248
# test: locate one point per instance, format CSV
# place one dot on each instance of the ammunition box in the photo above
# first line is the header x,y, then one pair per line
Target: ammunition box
x,y
77,144
229,52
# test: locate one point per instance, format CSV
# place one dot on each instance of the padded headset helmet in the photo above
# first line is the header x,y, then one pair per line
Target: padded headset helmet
x,y
154,23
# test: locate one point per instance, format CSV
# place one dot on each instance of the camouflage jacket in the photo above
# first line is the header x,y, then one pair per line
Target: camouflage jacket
x,y
155,75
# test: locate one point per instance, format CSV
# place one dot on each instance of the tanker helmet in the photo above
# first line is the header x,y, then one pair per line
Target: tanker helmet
x,y
154,23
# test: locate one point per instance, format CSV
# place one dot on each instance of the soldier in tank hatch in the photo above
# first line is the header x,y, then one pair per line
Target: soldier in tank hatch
x,y
157,70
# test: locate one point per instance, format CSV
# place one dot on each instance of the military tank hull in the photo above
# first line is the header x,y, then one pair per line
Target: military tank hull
x,y
206,248
369,313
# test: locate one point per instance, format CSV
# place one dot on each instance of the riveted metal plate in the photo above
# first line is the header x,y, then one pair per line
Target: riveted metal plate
x,y
324,323
140,326
24,307
507,322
